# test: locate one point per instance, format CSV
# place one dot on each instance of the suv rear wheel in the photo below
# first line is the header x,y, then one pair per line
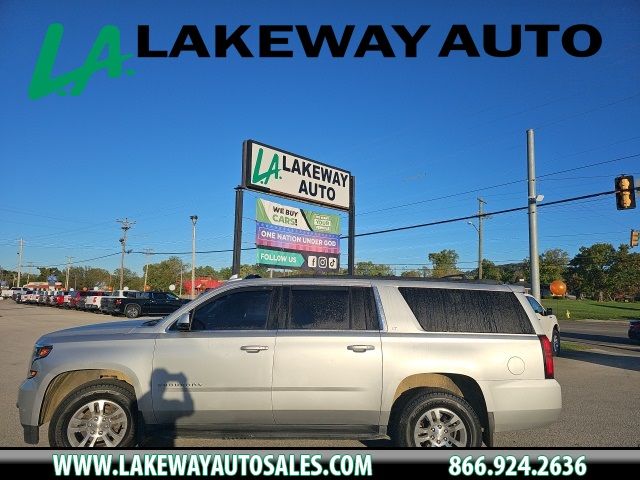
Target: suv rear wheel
x,y
98,414
132,311
437,419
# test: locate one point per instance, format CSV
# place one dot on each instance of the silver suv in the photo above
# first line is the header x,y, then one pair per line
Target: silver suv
x,y
426,363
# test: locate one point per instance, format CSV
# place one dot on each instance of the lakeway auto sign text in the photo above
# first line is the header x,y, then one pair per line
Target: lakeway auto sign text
x,y
283,173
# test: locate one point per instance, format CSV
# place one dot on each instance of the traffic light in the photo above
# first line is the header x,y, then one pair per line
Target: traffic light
x,y
625,192
635,236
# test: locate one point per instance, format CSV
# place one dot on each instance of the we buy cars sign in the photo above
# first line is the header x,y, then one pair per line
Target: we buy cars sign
x,y
278,172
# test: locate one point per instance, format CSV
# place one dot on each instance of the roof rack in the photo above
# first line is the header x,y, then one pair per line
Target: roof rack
x,y
450,278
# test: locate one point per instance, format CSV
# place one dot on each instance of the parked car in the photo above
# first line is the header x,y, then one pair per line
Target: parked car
x,y
634,329
146,303
42,297
92,299
66,301
22,297
17,291
58,298
549,323
76,297
107,302
461,362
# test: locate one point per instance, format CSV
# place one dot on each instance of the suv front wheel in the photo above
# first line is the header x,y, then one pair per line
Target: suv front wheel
x,y
437,419
98,414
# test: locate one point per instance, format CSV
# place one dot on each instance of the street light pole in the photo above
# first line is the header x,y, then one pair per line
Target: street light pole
x,y
194,219
66,280
147,252
21,242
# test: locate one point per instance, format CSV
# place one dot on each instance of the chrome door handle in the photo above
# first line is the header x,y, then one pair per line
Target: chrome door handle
x,y
254,348
360,348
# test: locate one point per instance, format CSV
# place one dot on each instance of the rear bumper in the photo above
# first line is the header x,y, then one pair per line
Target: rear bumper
x,y
523,404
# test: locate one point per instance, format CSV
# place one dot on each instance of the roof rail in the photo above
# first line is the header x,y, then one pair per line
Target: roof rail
x,y
450,278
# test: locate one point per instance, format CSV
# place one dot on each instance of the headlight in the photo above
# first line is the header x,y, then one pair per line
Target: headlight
x,y
39,351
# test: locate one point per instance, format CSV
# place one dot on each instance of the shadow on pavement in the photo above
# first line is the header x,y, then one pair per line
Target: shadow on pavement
x,y
599,338
626,362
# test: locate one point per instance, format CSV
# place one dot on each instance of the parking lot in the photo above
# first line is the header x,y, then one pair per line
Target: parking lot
x,y
600,378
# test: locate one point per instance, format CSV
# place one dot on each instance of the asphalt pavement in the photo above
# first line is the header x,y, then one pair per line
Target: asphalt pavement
x,y
600,386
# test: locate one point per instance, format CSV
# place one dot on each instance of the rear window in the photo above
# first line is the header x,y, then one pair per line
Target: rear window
x,y
476,311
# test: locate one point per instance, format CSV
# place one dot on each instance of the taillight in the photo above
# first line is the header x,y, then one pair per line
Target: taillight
x,y
118,302
547,356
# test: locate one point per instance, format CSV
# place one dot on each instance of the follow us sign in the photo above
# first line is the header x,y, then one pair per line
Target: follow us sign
x,y
298,260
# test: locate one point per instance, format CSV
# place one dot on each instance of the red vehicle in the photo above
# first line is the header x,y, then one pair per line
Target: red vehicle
x,y
77,297
58,299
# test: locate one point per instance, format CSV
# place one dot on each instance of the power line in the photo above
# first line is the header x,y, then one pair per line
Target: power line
x,y
469,217
77,261
513,182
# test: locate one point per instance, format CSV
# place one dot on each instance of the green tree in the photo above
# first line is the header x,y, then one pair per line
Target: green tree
x,y
130,279
369,268
411,274
444,263
491,271
167,272
553,265
588,272
206,271
625,273
245,270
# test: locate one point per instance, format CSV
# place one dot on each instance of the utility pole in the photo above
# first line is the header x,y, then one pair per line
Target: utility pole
x,y
194,219
125,225
29,266
478,229
20,251
532,200
147,252
66,280
481,204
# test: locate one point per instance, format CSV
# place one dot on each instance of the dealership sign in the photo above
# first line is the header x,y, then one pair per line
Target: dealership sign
x,y
279,172
291,237
292,217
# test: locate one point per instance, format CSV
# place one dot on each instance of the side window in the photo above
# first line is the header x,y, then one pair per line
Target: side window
x,y
143,295
338,308
539,309
364,315
319,309
244,310
159,296
457,310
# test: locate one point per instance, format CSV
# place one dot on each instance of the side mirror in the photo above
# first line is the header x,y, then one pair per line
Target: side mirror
x,y
184,322
548,311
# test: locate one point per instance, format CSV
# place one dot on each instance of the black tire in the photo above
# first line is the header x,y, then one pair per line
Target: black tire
x,y
132,311
405,421
112,391
555,342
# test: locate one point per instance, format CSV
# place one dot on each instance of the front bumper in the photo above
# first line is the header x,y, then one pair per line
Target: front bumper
x,y
29,409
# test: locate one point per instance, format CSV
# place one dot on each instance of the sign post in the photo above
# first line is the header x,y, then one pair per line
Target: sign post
x,y
279,172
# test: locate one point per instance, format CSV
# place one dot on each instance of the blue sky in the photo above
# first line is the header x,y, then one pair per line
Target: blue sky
x,y
165,143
